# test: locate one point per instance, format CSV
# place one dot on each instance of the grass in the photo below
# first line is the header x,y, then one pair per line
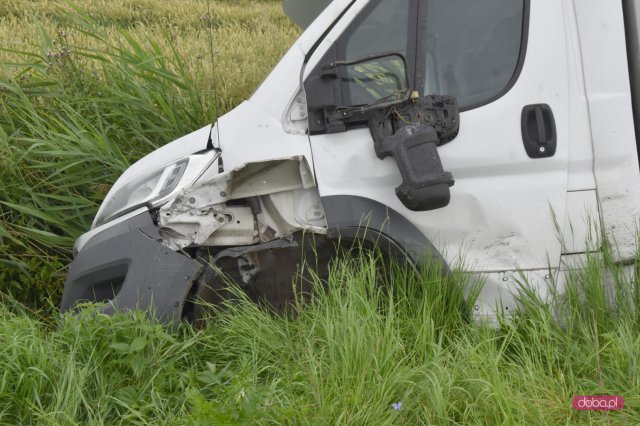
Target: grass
x,y
85,90
344,358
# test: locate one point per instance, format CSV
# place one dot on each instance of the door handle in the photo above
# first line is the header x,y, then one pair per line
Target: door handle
x,y
539,131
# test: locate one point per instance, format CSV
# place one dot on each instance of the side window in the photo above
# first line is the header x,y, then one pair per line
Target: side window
x,y
384,29
472,48
469,49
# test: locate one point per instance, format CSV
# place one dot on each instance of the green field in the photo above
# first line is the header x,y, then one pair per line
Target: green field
x,y
86,89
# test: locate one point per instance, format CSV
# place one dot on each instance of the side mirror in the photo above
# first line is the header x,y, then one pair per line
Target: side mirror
x,y
412,134
372,79
340,93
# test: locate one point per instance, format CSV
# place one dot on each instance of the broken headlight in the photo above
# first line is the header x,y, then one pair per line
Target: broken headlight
x,y
142,191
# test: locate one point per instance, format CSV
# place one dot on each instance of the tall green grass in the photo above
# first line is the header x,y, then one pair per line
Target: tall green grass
x,y
66,134
345,357
81,98
86,90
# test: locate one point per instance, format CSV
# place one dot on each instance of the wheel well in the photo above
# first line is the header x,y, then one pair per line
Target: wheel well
x,y
352,216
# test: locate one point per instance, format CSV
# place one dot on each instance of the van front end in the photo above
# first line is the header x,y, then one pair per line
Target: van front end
x,y
473,133
122,258
180,222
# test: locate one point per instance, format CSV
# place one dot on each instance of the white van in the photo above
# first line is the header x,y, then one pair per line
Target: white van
x,y
497,132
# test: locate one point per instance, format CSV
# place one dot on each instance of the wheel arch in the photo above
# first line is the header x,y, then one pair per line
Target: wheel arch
x,y
355,217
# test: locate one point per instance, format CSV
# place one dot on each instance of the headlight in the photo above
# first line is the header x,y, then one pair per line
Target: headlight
x,y
143,190
152,189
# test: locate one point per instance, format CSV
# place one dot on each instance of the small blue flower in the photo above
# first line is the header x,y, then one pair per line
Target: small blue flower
x,y
397,405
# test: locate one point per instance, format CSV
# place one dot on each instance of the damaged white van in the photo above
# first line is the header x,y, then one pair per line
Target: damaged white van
x,y
497,131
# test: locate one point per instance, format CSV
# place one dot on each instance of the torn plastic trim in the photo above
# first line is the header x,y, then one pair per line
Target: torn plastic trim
x,y
128,267
83,239
197,214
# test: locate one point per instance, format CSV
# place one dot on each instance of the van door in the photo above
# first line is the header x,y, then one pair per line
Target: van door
x,y
506,62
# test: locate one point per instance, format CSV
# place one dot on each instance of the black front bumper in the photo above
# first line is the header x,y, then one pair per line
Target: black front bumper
x,y
128,267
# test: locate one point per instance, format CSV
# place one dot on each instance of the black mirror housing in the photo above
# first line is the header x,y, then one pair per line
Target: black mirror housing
x,y
412,136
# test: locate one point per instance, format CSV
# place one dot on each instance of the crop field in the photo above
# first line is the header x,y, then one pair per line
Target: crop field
x,y
86,88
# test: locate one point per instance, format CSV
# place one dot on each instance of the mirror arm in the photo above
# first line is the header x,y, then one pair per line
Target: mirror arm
x,y
337,118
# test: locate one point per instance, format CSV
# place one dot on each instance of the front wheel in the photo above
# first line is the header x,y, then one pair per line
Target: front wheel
x,y
278,274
